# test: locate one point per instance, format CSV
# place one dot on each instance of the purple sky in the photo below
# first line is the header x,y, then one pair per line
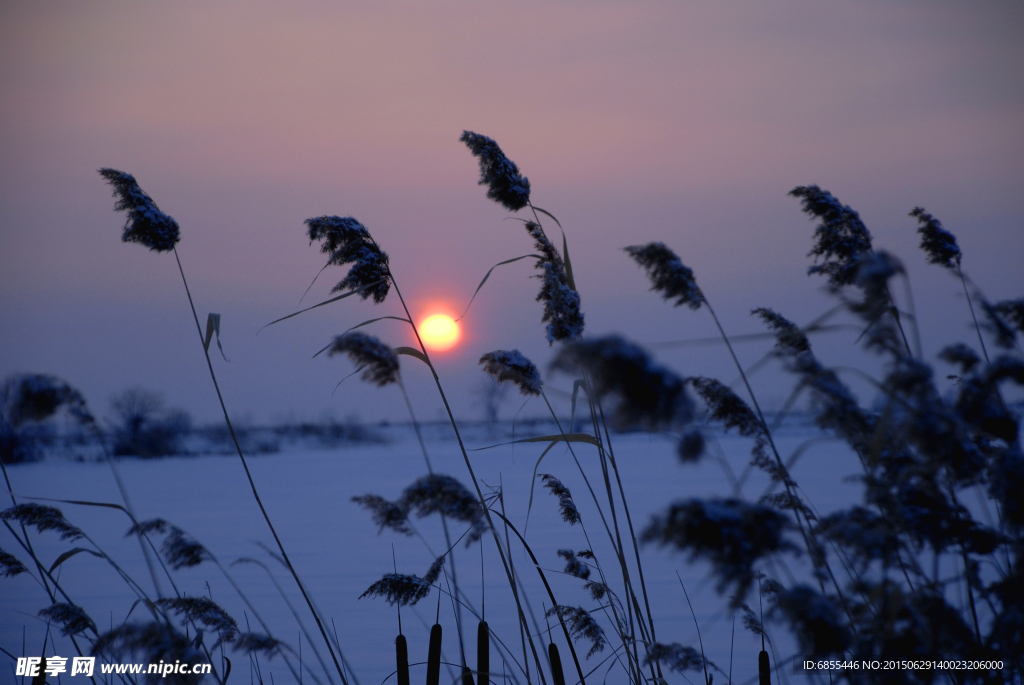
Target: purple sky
x,y
686,123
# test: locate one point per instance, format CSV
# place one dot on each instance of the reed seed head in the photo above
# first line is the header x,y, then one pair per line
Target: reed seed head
x,y
399,589
669,276
817,620
677,657
732,534
511,365
573,566
385,514
561,302
180,550
582,626
258,642
347,241
841,238
727,407
961,355
1003,320
43,518
145,224
153,641
505,185
10,566
1013,312
205,611
789,339
441,494
71,618
565,504
36,397
645,395
366,351
938,243
691,446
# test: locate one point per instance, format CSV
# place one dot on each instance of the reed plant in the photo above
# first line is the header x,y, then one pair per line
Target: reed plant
x,y
927,566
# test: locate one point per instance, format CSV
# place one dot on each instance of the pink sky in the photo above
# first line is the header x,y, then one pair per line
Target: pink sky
x,y
686,123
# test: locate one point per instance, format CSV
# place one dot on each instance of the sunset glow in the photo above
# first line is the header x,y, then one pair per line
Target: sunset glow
x,y
440,332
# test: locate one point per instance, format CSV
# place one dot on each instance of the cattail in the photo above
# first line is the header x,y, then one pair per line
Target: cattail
x,y
505,185
467,676
557,675
764,671
483,654
434,656
145,224
402,659
40,678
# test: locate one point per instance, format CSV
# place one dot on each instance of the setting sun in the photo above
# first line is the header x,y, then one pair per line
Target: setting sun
x,y
440,332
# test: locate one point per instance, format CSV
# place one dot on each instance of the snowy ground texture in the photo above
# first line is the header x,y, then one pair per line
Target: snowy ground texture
x,y
339,553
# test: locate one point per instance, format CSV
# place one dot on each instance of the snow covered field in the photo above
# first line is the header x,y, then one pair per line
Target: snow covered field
x,y
338,552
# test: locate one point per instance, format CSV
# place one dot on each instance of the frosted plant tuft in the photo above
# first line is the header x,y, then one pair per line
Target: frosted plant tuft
x,y
561,303
669,276
841,238
938,243
512,366
645,395
505,185
347,241
366,351
145,224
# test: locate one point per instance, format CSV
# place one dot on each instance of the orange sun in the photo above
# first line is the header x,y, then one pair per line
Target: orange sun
x,y
440,332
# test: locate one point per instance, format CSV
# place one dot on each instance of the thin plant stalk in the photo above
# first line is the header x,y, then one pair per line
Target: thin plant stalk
x,y
248,475
974,315
804,532
465,454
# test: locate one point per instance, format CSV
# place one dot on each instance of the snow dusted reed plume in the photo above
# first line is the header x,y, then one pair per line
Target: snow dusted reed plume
x,y
566,505
938,243
512,366
505,185
561,302
669,276
366,351
348,242
841,237
441,494
145,224
36,397
645,394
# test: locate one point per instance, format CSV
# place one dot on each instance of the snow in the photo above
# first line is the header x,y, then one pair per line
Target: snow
x,y
336,549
